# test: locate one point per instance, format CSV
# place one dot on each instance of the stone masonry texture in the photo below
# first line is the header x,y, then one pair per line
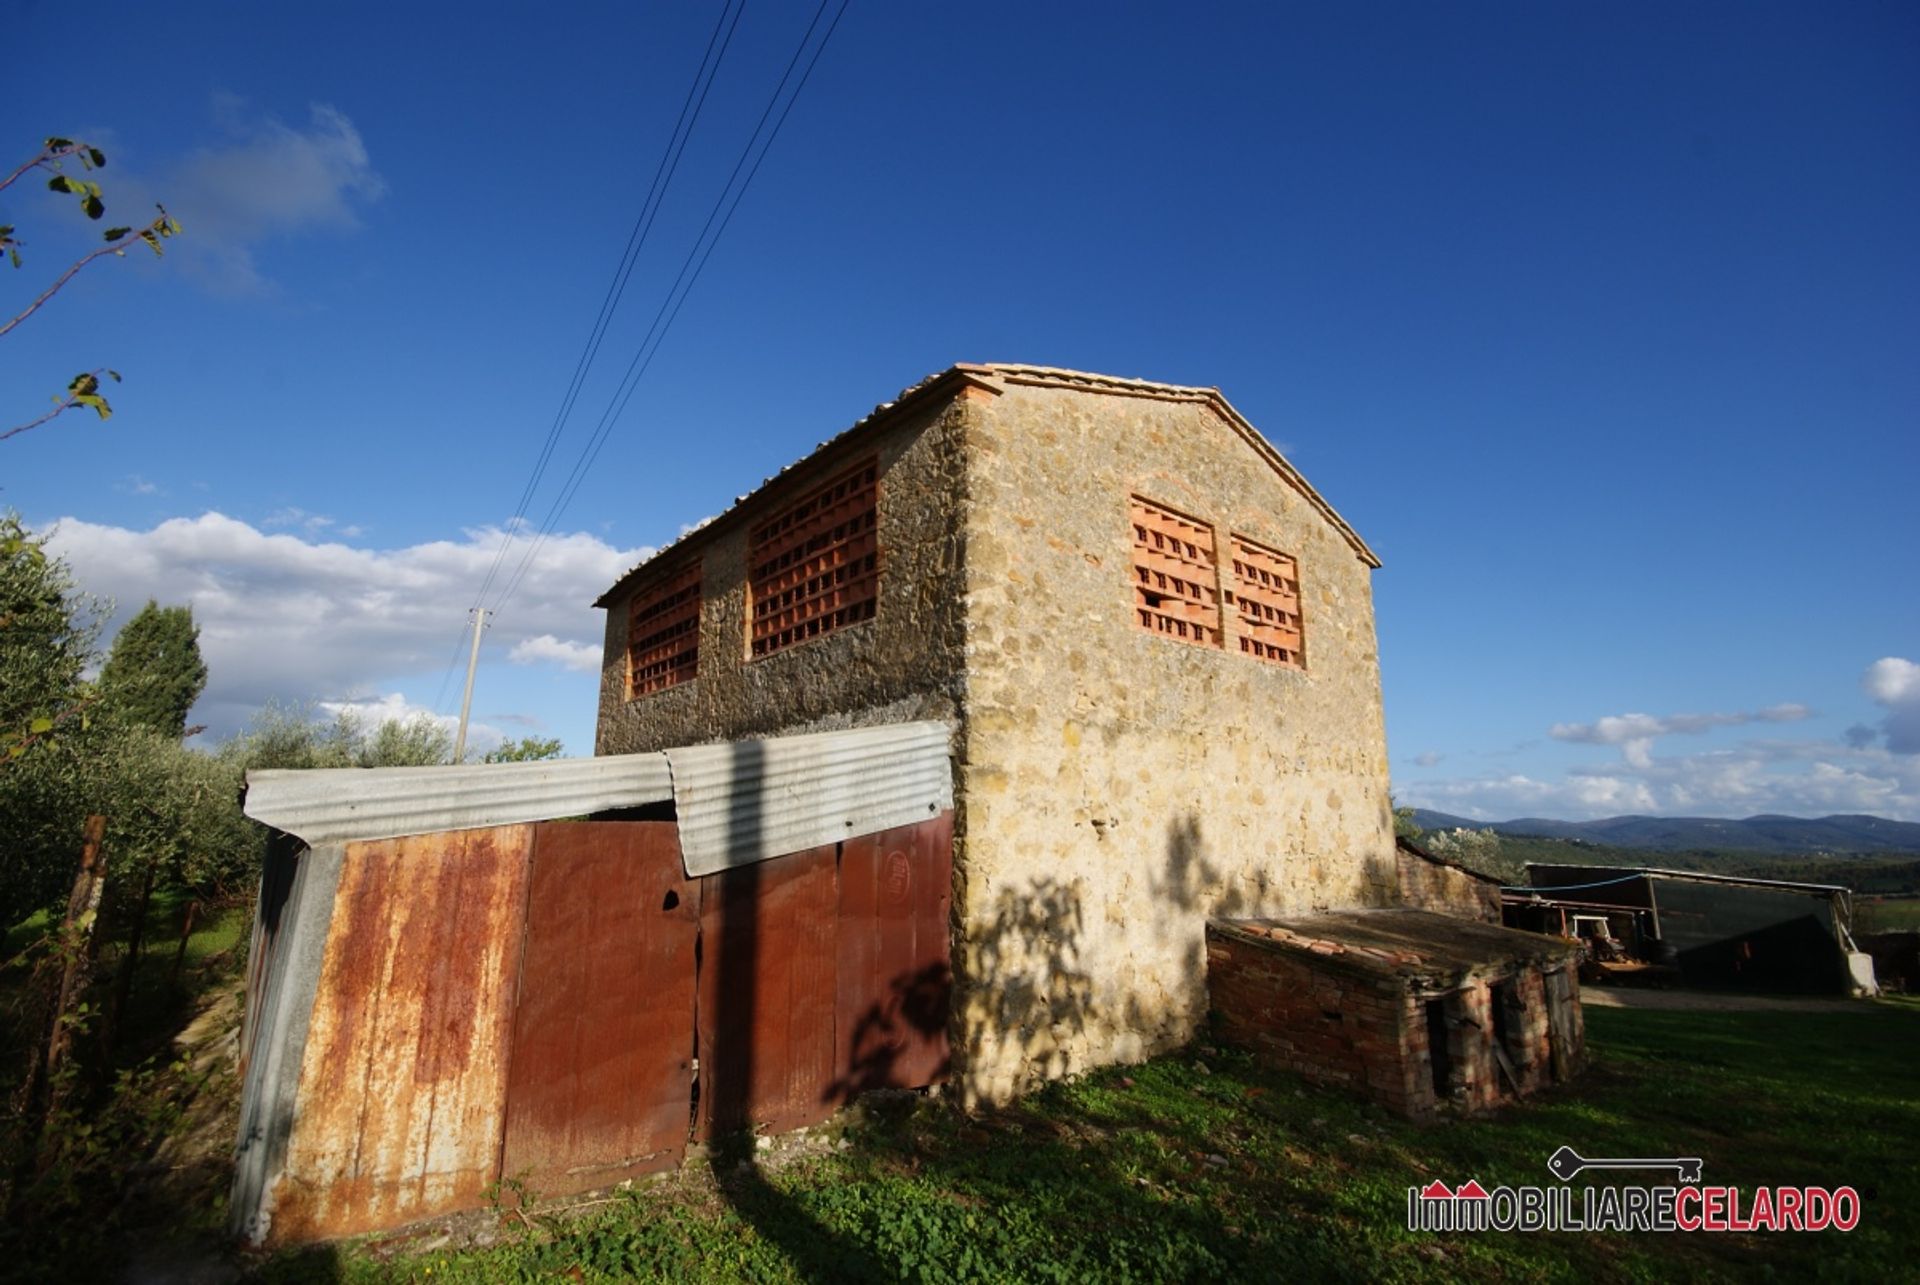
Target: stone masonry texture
x,y
1114,788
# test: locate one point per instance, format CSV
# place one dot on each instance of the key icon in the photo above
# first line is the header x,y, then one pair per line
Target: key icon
x,y
1566,1162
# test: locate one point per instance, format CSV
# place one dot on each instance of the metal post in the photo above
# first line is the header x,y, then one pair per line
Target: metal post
x,y
466,698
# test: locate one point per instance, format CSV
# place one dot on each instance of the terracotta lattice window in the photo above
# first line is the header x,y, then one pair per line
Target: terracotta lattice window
x,y
663,633
816,567
1176,582
1267,598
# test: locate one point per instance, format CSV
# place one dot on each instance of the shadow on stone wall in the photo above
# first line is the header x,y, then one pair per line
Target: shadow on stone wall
x,y
1030,985
1031,994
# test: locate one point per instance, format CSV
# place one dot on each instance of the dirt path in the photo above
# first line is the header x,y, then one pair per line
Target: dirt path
x,y
1706,1001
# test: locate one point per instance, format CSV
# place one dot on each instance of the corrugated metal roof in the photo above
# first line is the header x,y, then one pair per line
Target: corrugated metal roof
x,y
748,801
737,802
1696,876
341,805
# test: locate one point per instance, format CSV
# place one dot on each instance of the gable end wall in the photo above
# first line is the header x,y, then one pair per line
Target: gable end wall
x,y
1117,788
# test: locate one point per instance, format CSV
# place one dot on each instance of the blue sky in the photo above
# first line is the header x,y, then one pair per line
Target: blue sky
x,y
1598,322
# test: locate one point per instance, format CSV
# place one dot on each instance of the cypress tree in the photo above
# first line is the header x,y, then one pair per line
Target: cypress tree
x,y
154,672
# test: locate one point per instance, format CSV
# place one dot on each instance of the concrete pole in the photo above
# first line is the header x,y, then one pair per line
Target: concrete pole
x,y
466,698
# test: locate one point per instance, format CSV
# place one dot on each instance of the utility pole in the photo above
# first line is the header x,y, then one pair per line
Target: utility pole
x,y
466,700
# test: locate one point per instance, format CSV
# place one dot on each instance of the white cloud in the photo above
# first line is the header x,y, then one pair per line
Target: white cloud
x,y
1812,776
269,179
1892,680
394,707
1807,778
1621,729
1893,683
290,618
312,523
134,484
1428,759
548,650
1636,733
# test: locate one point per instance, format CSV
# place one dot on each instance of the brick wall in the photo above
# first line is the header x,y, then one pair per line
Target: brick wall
x,y
1352,1027
1331,1025
1427,883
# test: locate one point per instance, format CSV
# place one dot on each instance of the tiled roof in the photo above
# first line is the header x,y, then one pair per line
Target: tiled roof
x,y
1415,945
991,375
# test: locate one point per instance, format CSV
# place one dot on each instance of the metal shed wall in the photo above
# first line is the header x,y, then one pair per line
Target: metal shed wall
x,y
437,1012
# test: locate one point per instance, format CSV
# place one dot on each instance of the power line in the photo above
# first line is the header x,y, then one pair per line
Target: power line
x,y
669,164
696,262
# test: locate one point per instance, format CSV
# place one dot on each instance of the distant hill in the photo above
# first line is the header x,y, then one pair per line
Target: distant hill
x,y
1777,834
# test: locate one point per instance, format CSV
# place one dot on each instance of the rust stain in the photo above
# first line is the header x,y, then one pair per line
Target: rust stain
x,y
601,1075
526,1000
404,1076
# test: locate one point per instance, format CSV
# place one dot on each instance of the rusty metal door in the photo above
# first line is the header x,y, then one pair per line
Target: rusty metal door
x,y
766,1006
405,1061
601,1072
895,983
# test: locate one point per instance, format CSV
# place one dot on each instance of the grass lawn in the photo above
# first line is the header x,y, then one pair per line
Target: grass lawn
x,y
1892,914
1200,1166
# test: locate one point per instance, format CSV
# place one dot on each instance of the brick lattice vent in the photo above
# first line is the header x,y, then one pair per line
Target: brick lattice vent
x,y
816,567
663,634
1267,600
1176,581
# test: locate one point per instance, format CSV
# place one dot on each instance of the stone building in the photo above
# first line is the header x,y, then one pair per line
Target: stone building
x,y
1152,638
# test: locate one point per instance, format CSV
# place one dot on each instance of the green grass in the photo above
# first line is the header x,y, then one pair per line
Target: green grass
x,y
1200,1166
1873,916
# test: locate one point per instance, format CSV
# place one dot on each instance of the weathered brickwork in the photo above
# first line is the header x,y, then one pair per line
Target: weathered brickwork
x,y
1428,883
1343,1029
1365,1017
1114,787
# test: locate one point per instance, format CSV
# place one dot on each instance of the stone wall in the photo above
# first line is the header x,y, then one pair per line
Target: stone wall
x,y
1114,788
1428,883
1117,787
903,664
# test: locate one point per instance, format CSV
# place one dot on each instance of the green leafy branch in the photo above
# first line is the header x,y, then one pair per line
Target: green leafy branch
x,y
153,234
44,725
83,389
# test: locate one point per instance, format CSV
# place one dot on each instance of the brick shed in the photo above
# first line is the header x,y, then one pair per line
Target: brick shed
x,y
1424,1013
1153,638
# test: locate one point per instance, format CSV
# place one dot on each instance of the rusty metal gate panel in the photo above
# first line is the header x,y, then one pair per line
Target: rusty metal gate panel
x,y
601,1076
895,982
766,994
405,1062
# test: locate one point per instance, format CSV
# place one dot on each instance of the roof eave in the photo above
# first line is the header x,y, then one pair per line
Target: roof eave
x,y
946,382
